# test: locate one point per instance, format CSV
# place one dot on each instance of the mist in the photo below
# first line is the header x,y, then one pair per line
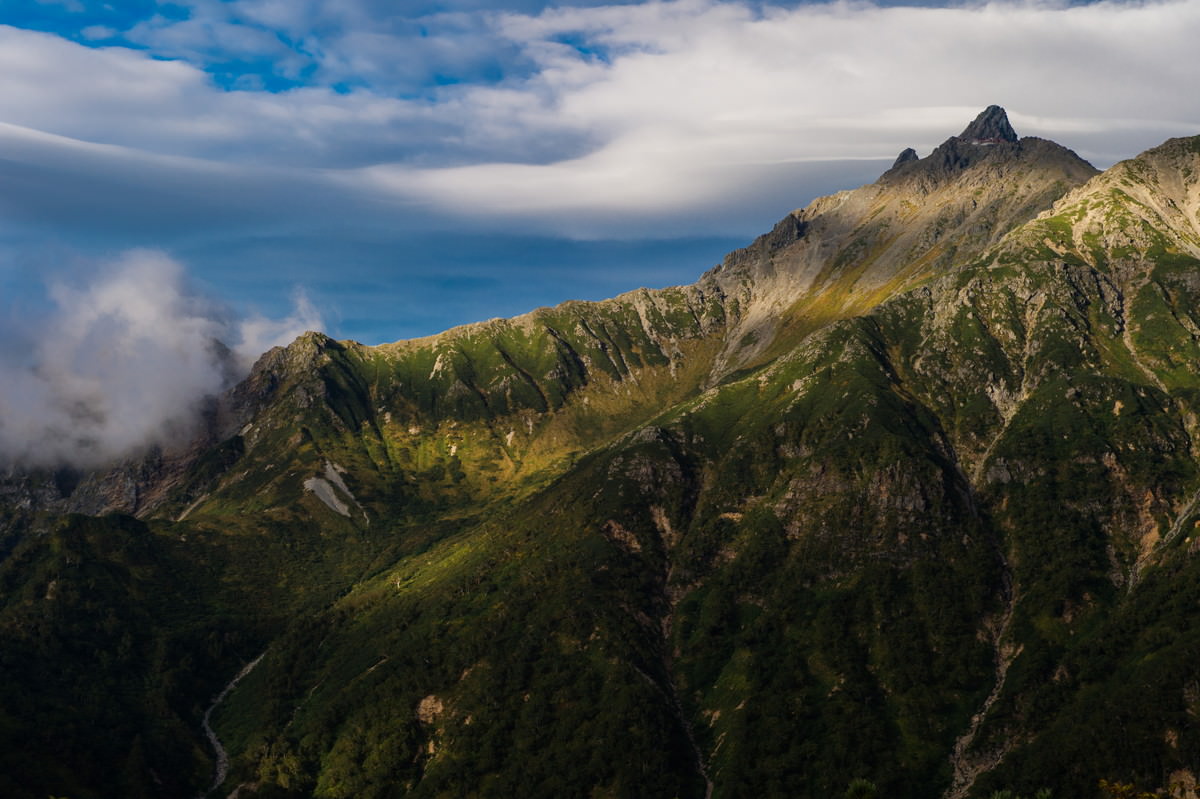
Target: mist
x,y
124,359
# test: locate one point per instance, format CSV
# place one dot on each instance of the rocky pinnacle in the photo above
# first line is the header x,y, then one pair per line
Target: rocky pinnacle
x,y
909,154
990,127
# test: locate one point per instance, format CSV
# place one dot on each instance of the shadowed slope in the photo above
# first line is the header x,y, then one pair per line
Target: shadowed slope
x,y
904,491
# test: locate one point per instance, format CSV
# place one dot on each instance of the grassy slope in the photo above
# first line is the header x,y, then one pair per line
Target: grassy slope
x,y
817,549
573,566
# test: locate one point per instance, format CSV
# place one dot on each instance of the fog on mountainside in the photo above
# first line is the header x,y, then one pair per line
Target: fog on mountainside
x,y
125,362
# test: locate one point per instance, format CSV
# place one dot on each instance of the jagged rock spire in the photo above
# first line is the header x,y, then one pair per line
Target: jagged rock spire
x,y
990,127
909,154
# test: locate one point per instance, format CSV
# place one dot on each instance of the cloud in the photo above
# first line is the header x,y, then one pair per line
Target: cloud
x,y
257,333
397,48
124,361
67,186
606,114
691,99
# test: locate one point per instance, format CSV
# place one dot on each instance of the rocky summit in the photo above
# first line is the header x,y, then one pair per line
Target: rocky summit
x,y
906,155
990,127
902,499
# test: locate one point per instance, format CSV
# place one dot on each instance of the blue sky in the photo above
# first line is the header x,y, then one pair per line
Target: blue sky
x,y
412,165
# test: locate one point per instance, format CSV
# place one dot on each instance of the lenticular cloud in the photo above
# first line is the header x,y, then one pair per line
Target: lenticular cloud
x,y
124,362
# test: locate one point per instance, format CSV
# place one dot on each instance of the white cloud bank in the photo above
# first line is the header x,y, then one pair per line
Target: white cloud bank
x,y
696,99
126,361
647,119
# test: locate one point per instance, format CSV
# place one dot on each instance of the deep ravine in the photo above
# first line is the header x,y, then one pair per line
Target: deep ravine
x,y
221,765
968,765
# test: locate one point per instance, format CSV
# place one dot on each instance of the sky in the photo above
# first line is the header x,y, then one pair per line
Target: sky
x,y
386,169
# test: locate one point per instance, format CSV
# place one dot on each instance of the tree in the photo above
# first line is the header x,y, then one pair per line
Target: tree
x,y
862,789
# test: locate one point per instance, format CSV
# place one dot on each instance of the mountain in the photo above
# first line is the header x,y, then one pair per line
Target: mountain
x,y
905,492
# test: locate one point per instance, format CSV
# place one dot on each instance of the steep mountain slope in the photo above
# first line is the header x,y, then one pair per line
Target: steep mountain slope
x,y
905,491
845,253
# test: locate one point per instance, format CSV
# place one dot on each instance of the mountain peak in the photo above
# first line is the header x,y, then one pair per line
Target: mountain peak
x,y
906,156
990,127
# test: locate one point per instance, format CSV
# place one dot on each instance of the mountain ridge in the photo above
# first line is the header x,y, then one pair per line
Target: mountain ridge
x,y
903,491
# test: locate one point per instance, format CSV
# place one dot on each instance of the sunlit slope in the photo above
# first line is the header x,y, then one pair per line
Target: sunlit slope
x,y
905,491
957,505
478,411
846,253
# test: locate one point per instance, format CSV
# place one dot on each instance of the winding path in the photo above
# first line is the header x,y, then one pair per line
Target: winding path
x,y
221,767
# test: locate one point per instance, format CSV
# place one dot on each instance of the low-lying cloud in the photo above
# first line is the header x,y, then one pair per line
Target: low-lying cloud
x,y
124,361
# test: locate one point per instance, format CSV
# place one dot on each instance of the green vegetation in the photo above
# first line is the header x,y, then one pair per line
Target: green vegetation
x,y
931,523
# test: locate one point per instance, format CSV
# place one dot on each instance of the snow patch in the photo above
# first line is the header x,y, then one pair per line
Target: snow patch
x,y
333,473
324,489
324,492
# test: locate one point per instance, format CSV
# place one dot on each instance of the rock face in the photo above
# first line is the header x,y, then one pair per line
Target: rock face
x,y
906,155
990,127
907,490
